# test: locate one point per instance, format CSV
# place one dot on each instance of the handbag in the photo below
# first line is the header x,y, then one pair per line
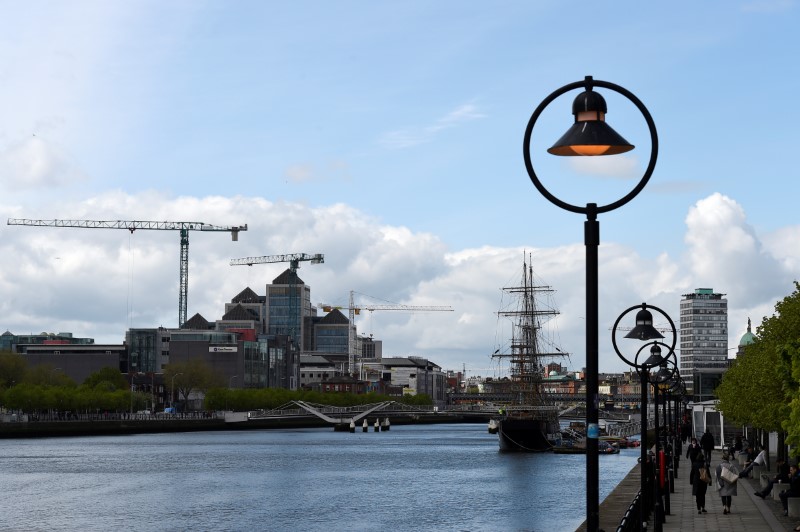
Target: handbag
x,y
728,475
704,476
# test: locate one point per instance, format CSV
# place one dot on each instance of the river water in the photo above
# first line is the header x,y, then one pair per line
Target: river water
x,y
413,477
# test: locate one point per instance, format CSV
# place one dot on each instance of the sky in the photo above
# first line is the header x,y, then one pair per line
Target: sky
x,y
388,136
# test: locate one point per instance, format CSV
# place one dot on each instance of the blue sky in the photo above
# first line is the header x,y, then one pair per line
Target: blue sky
x,y
388,136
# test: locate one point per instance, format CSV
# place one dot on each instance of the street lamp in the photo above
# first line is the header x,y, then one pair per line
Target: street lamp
x,y
172,393
588,136
663,375
644,331
228,391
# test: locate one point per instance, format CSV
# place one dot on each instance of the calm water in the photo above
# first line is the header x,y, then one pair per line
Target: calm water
x,y
430,477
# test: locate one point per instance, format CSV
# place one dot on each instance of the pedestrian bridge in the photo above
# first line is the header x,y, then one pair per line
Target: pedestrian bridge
x,y
338,415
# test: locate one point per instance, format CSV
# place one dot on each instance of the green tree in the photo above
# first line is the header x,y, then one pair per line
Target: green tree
x,y
47,375
12,369
191,376
761,389
109,378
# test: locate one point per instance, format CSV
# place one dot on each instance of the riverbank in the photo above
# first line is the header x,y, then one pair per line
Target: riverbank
x,y
155,425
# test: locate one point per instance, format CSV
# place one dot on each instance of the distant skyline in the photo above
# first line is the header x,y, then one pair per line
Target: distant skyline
x,y
388,136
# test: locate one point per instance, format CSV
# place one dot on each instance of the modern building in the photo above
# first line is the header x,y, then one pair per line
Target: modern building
x,y
415,375
288,302
75,357
703,342
9,341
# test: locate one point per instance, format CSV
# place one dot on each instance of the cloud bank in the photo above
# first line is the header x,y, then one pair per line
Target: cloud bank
x,y
99,282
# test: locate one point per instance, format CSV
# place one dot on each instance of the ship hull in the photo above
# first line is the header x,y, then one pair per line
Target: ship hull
x,y
525,435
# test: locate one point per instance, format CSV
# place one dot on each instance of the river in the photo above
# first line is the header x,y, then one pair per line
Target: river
x,y
413,477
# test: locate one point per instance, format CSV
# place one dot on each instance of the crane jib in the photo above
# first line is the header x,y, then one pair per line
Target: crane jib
x,y
133,225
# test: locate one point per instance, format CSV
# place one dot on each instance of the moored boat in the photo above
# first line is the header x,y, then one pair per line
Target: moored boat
x,y
530,422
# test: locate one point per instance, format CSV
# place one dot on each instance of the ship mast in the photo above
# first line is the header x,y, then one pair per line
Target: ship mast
x,y
526,355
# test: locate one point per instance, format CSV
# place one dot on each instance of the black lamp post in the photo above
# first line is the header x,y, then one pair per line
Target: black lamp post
x,y
588,136
663,375
644,331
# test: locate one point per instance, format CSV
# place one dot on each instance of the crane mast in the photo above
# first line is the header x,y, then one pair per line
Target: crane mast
x,y
354,309
133,225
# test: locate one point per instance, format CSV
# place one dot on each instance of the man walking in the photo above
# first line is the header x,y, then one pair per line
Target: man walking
x,y
707,444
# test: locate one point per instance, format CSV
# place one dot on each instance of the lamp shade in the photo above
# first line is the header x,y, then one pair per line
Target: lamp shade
x,y
590,135
644,329
655,358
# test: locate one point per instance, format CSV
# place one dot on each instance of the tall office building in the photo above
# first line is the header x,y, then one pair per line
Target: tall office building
x,y
703,342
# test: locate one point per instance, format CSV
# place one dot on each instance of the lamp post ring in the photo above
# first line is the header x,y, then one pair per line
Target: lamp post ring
x,y
589,84
670,348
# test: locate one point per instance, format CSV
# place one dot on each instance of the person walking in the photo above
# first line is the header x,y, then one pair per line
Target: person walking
x,y
701,479
726,488
707,444
692,453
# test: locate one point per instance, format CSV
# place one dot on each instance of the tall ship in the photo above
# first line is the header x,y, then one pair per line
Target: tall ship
x,y
530,422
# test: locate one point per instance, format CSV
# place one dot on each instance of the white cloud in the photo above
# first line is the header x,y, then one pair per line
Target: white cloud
x,y
408,137
33,163
97,283
613,166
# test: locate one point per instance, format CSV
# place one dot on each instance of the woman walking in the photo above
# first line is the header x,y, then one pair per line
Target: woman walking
x,y
700,478
727,488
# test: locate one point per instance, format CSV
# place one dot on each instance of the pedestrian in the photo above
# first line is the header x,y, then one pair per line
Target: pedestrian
x,y
702,478
707,444
794,488
726,488
692,453
782,475
737,444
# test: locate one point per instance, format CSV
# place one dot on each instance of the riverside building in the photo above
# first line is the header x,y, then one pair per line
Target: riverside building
x,y
703,341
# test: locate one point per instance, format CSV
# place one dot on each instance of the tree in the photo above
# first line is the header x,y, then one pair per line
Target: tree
x,y
12,369
108,378
47,375
762,388
191,376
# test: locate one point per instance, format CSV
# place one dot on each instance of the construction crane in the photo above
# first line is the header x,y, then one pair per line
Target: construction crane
x,y
183,227
294,260
354,310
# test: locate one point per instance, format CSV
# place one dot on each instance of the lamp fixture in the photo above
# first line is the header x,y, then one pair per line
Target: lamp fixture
x,y
590,134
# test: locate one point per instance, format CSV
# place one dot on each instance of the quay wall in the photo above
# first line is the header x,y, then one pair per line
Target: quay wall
x,y
51,429
613,507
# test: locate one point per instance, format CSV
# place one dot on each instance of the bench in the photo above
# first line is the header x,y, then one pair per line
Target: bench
x,y
794,506
756,471
778,488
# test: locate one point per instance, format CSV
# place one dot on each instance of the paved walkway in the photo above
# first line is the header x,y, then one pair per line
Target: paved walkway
x,y
748,512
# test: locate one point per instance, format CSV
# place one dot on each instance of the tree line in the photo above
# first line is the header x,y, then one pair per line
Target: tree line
x,y
761,389
46,388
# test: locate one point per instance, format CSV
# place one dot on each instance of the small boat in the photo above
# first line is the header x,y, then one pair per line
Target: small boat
x,y
603,447
494,426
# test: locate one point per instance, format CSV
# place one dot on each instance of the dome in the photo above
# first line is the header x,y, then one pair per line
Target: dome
x,y
553,373
748,337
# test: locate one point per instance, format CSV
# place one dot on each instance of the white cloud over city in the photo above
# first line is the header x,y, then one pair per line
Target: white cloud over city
x,y
96,282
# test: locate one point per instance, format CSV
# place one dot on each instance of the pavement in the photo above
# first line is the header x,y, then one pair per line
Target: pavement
x,y
748,512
